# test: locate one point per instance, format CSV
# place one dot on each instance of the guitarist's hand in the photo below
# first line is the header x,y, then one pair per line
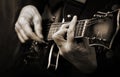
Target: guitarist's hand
x,y
79,54
28,20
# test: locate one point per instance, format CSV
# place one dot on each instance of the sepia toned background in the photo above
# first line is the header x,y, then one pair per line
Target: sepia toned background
x,y
8,39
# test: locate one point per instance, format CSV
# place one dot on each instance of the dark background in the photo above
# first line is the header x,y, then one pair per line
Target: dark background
x,y
8,38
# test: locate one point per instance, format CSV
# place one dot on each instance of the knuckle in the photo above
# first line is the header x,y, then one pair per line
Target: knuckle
x,y
28,34
70,30
27,8
64,26
23,20
37,19
17,26
15,29
39,29
55,36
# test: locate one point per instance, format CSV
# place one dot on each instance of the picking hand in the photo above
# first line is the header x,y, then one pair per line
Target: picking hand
x,y
29,17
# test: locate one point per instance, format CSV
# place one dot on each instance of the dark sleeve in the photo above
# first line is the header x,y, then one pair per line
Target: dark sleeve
x,y
39,4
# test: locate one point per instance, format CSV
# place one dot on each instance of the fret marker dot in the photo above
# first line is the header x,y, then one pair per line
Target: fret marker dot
x,y
68,15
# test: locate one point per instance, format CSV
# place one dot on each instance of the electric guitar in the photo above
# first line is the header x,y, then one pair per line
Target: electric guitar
x,y
99,30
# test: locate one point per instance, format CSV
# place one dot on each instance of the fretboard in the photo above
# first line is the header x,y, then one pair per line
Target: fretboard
x,y
79,28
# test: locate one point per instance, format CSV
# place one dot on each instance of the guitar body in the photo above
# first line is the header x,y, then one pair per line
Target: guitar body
x,y
103,32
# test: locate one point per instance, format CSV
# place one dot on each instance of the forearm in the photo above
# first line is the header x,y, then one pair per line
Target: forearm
x,y
84,61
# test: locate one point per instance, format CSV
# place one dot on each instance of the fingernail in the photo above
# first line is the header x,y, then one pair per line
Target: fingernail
x,y
75,17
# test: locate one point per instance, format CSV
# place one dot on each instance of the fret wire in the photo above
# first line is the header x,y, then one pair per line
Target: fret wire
x,y
81,27
76,30
52,31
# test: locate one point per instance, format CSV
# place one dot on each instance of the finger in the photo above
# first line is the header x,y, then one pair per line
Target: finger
x,y
25,25
58,37
21,31
30,33
71,30
63,28
37,21
62,31
23,34
19,35
20,38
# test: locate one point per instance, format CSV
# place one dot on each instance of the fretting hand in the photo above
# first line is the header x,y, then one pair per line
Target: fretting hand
x,y
79,54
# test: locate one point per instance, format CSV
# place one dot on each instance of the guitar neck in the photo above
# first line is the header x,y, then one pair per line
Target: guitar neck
x,y
79,28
